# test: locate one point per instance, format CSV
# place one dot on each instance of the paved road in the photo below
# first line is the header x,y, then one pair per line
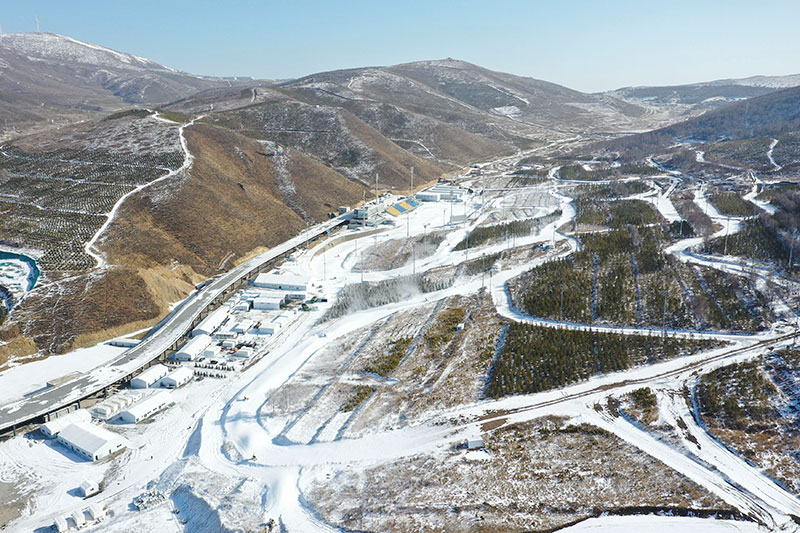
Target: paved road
x,y
27,409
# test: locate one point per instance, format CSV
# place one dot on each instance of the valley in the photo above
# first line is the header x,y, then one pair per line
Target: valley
x,y
421,297
323,415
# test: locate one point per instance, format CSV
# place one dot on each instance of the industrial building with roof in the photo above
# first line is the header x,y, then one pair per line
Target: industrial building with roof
x,y
211,323
149,377
54,427
281,282
192,349
268,302
177,378
91,441
147,407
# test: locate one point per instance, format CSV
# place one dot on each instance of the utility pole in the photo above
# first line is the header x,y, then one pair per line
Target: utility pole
x,y
664,317
324,267
376,188
412,183
791,247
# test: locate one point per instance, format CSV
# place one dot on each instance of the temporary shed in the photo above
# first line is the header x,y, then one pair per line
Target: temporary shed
x,y
273,326
60,524
244,305
177,378
244,353
96,512
78,518
474,443
211,323
54,427
103,411
147,407
149,377
192,349
222,335
281,282
91,441
296,295
89,488
228,344
268,302
428,196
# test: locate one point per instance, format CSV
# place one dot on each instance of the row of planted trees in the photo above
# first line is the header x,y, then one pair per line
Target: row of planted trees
x,y
537,358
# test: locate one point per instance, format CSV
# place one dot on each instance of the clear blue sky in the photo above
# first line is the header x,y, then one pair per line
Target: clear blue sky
x,y
586,45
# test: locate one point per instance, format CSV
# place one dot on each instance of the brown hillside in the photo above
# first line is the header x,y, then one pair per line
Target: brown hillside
x,y
239,195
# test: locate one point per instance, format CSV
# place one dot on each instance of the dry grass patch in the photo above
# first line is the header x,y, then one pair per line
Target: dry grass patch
x,y
537,475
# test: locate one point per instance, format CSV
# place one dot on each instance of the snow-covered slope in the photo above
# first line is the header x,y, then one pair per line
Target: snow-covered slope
x,y
62,49
50,79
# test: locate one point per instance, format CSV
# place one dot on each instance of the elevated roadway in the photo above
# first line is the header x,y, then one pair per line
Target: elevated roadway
x,y
43,405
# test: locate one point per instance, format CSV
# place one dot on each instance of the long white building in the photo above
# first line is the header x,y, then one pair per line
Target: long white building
x,y
177,378
211,323
149,377
281,282
91,441
147,407
192,349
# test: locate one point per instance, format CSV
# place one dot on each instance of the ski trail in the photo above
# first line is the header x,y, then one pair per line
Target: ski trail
x,y
111,215
747,479
769,154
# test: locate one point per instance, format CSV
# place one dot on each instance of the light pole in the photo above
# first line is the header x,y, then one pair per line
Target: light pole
x,y
727,231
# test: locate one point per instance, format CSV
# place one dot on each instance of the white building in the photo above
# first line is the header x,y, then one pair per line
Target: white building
x,y
427,196
60,524
147,407
91,441
211,323
177,378
273,326
244,352
54,427
78,518
89,487
474,443
192,349
268,302
295,295
96,512
149,377
281,282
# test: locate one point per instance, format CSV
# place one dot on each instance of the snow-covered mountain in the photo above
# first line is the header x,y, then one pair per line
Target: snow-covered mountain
x,y
694,98
47,78
61,49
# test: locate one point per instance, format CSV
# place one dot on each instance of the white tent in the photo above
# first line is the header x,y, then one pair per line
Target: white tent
x,y
149,377
211,323
281,282
177,378
91,441
192,349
